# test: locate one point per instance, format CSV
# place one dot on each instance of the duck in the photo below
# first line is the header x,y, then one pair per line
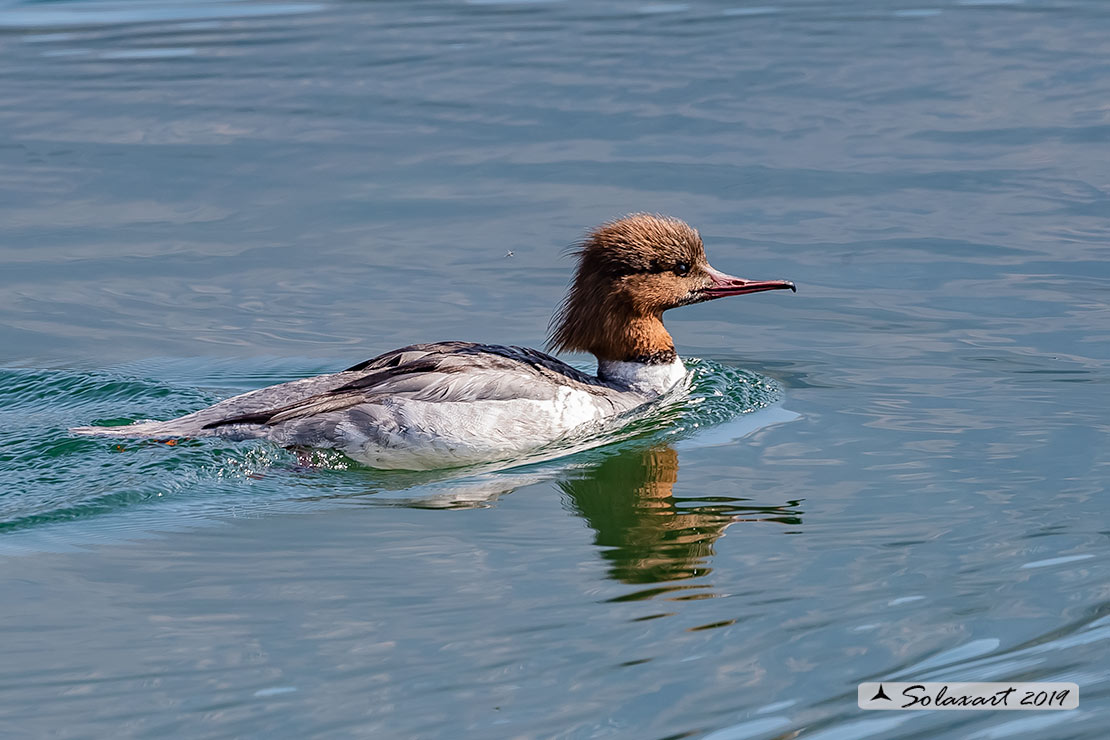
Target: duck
x,y
454,403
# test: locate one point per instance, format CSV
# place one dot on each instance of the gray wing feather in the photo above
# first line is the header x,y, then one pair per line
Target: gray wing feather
x,y
447,372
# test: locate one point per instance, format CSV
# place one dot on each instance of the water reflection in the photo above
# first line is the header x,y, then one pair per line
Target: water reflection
x,y
648,534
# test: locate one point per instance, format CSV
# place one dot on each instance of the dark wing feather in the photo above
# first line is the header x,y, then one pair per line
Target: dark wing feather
x,y
318,404
404,355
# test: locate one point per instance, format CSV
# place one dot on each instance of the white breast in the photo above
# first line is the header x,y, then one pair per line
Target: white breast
x,y
642,377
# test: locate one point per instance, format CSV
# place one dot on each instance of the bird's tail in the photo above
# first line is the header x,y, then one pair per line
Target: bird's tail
x,y
146,430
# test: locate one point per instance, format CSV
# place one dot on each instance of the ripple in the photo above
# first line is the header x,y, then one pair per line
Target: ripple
x,y
164,53
761,10
63,15
1056,561
48,476
917,13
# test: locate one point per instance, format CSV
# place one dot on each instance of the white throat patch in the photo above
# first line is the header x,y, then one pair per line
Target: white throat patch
x,y
642,377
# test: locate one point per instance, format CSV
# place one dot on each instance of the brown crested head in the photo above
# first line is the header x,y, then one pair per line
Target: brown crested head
x,y
629,272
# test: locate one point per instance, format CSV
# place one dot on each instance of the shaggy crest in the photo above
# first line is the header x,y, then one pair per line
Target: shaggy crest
x,y
629,272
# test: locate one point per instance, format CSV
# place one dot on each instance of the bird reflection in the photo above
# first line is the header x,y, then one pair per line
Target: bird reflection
x,y
649,536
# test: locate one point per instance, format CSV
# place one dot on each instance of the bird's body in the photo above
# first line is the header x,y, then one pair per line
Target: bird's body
x,y
458,403
419,407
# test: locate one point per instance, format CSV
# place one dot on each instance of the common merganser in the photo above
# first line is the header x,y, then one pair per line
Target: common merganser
x,y
458,403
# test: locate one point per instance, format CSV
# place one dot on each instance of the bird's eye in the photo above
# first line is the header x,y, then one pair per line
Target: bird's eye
x,y
682,269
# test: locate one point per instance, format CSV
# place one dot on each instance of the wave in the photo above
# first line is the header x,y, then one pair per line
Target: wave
x,y
48,475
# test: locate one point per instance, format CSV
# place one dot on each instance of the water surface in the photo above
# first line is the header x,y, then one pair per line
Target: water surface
x,y
203,198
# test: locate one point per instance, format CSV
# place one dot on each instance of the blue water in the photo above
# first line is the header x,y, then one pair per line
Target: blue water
x,y
899,473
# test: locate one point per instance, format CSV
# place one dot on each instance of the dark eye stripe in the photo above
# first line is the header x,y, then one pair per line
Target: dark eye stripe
x,y
682,269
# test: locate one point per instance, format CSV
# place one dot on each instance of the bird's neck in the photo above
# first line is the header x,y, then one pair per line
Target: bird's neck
x,y
638,353
633,348
641,339
651,378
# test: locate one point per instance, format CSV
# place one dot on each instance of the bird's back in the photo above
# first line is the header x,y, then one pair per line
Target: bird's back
x,y
427,405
